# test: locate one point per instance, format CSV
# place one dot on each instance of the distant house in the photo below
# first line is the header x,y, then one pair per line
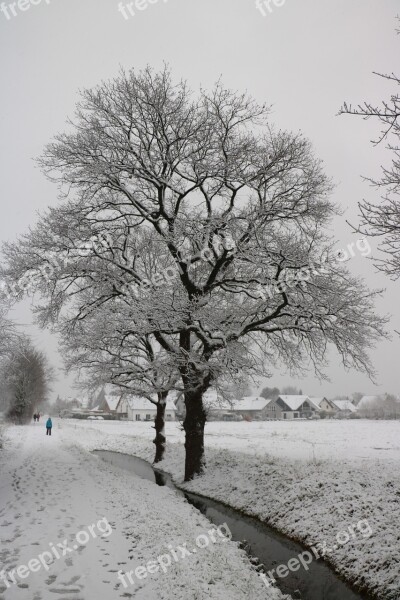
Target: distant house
x,y
345,408
248,407
297,407
251,407
110,404
273,410
141,409
121,412
219,408
325,405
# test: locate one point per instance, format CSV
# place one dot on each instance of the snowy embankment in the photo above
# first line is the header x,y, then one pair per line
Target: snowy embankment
x,y
73,526
311,501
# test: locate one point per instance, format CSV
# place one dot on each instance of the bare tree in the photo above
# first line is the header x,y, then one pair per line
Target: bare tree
x,y
237,211
270,393
8,338
290,390
383,220
237,385
106,348
26,375
8,331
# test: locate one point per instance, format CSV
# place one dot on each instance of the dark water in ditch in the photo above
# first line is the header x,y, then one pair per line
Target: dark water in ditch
x,y
271,548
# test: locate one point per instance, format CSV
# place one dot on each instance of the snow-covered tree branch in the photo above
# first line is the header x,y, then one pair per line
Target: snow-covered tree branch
x,y
383,220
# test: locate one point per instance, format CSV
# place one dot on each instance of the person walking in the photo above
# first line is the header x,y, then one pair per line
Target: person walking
x,y
49,425
34,418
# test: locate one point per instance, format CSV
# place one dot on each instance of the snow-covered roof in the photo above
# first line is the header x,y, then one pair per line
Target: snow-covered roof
x,y
294,402
315,404
250,403
317,401
345,405
112,402
95,408
140,403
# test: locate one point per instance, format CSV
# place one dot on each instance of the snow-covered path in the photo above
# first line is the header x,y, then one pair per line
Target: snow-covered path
x,y
55,496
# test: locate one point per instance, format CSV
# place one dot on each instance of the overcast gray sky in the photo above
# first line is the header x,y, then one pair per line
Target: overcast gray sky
x,y
304,57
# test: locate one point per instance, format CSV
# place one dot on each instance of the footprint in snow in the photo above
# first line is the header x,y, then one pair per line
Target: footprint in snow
x,y
74,579
64,591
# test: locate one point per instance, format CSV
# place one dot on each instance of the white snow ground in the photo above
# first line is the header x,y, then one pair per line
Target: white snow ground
x,y
355,476
347,440
51,488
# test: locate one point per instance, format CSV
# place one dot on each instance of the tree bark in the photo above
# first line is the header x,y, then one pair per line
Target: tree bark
x,y
159,426
195,383
194,424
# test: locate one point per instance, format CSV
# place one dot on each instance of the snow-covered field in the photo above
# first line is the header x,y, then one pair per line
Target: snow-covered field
x,y
310,480
348,440
69,522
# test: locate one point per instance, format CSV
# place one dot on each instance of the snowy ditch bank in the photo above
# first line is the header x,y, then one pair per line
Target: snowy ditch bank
x,y
309,580
308,503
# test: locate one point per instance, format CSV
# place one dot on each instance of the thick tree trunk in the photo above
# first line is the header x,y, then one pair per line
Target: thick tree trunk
x,y
195,383
193,424
159,426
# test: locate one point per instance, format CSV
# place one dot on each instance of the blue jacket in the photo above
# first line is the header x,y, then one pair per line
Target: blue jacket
x,y
49,423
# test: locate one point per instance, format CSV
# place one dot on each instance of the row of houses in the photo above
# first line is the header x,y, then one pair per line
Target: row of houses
x,y
284,407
